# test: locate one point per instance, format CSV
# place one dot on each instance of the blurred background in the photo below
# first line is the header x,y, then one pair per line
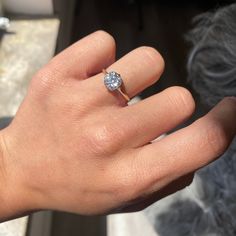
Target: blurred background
x,y
31,32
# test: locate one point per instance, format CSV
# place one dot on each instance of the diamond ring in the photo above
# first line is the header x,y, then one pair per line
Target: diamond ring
x,y
113,81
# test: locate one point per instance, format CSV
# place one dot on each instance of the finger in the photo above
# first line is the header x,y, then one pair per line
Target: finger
x,y
156,115
142,203
84,58
139,69
190,148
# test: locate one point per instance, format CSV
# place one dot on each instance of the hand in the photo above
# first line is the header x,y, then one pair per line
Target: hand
x,y
74,146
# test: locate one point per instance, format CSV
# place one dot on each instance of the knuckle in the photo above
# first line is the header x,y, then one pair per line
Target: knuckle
x,y
100,139
216,138
104,139
153,58
182,99
43,80
105,37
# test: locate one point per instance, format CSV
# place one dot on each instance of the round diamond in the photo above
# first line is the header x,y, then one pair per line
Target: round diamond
x,y
112,81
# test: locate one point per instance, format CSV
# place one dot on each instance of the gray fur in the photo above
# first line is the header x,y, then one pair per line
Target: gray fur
x,y
212,61
208,206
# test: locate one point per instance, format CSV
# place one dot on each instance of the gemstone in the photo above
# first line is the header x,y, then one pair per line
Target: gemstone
x,y
112,81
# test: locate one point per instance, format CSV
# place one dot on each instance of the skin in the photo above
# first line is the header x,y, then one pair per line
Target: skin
x,y
74,146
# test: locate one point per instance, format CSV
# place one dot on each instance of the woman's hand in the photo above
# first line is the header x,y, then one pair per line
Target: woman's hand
x,y
74,146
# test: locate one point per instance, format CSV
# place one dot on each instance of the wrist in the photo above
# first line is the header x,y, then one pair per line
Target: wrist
x,y
15,199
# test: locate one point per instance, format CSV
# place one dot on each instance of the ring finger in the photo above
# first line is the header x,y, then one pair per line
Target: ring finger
x,y
139,69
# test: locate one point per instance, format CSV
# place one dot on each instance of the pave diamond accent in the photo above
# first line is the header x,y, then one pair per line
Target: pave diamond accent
x,y
112,81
